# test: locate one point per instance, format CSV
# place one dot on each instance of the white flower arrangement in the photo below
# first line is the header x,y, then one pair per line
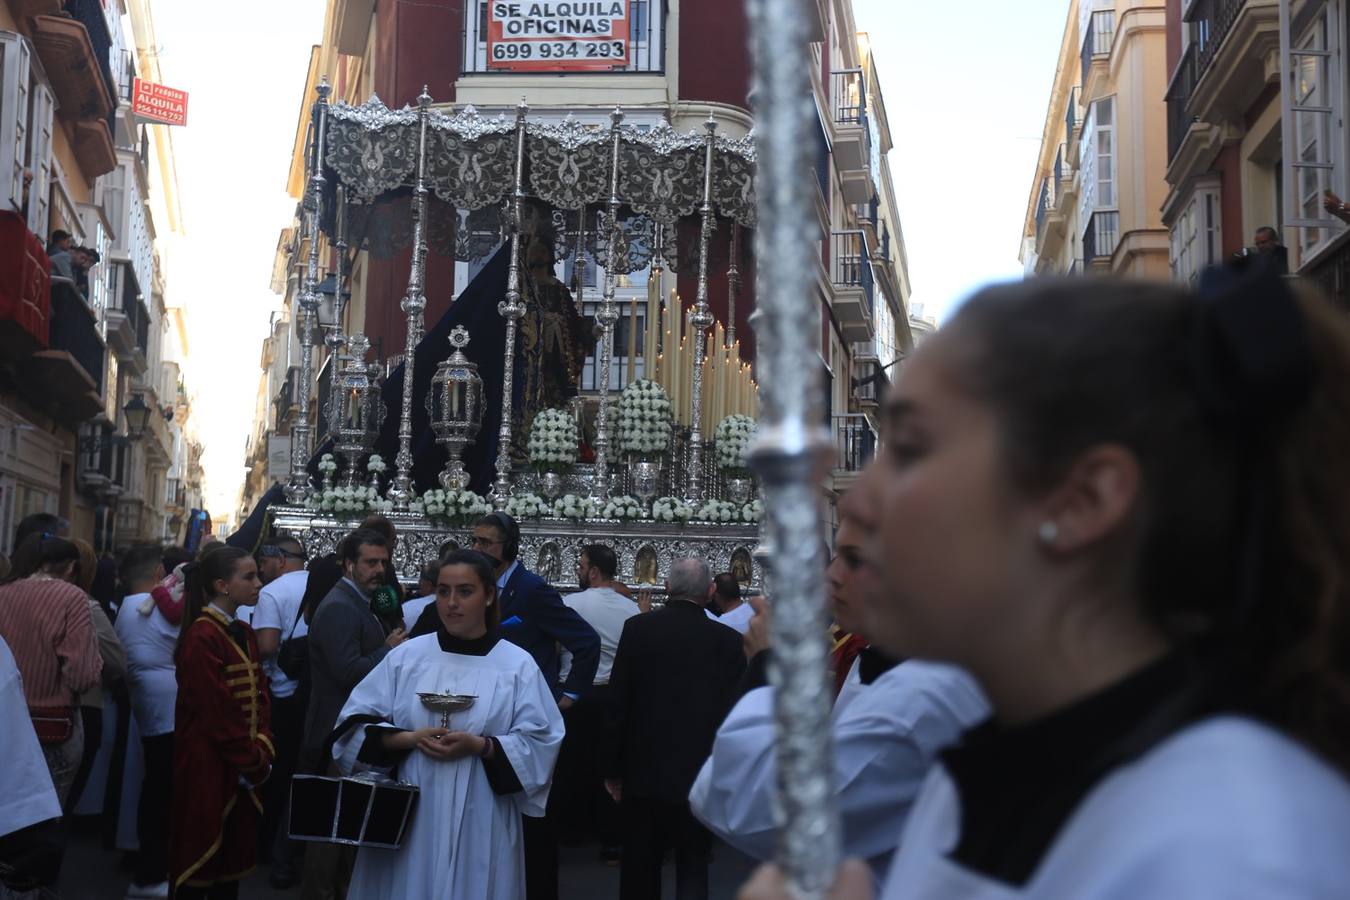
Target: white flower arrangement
x,y
553,439
452,506
376,465
732,438
644,418
528,506
327,464
625,507
571,506
717,511
672,509
342,501
752,512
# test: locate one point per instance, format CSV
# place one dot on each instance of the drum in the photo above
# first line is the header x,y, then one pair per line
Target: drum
x,y
360,812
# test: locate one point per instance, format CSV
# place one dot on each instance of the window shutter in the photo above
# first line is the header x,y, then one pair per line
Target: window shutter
x,y
14,80
1309,103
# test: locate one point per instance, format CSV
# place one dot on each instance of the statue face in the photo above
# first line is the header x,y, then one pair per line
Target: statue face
x,y
539,254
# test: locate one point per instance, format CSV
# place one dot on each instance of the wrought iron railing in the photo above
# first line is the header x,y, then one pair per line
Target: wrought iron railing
x,y
855,442
848,96
1097,42
1178,96
1043,203
89,13
1212,20
75,330
1331,272
126,299
1071,116
850,265
1102,235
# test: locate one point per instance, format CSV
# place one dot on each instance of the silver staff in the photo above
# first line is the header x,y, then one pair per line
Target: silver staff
x,y
337,336
608,315
511,309
414,306
298,490
700,319
791,454
733,283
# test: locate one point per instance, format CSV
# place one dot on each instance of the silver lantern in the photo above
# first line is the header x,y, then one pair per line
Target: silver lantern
x,y
354,409
456,407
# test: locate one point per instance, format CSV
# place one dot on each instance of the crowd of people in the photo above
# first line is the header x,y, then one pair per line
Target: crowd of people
x,y
1090,639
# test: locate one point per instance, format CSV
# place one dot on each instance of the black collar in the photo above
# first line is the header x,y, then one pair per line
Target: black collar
x,y
681,603
873,663
1018,785
476,647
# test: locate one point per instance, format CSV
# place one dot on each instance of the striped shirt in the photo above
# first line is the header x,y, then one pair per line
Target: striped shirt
x,y
47,625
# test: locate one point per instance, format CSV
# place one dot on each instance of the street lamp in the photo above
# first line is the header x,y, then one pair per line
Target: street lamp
x,y
137,414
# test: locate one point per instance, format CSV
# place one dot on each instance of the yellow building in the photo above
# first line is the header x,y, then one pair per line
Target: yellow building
x,y
1099,186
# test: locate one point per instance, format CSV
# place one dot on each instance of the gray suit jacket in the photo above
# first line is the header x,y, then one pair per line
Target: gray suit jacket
x,y
345,643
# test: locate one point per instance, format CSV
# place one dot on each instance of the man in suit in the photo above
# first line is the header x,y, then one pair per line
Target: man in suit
x,y
346,641
674,678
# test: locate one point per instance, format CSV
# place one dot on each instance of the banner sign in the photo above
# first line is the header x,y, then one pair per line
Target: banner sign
x,y
557,36
157,103
278,456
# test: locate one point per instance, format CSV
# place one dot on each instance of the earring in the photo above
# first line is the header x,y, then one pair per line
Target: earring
x,y
1048,533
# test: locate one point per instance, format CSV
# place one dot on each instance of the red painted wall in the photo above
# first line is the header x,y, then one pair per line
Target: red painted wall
x,y
417,42
714,52
1229,167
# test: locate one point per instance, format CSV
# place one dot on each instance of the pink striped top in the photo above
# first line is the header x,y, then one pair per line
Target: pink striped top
x,y
47,625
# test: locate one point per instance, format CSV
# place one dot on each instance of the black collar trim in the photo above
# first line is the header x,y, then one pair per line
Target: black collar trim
x,y
475,647
1018,785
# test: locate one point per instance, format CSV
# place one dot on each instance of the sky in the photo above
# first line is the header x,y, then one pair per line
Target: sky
x,y
965,86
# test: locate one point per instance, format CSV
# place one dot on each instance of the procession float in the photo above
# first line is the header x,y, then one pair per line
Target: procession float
x,y
485,411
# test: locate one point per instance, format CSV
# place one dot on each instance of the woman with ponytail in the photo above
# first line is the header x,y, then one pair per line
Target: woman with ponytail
x,y
1125,509
223,744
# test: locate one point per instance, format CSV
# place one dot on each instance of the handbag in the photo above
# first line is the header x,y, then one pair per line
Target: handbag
x,y
293,654
53,724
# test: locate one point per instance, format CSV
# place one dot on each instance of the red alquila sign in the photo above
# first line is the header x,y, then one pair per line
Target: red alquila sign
x,y
157,103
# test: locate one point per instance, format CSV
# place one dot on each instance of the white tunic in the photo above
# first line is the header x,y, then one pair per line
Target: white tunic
x,y
886,736
465,840
25,782
1226,809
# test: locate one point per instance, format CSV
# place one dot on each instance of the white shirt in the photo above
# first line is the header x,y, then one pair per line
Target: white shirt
x,y
1226,809
150,641
413,609
886,736
278,607
739,618
25,782
605,610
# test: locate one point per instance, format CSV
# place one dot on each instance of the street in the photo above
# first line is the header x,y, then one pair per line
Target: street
x,y
93,873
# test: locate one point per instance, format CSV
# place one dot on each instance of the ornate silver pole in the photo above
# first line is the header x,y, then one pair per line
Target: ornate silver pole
x,y
792,451
733,283
414,305
608,314
337,338
511,309
700,319
297,491
579,265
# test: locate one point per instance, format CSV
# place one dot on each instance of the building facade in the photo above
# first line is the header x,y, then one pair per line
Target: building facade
x,y
94,414
1098,190
687,60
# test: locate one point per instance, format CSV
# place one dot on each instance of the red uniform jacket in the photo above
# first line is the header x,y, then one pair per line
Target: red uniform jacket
x,y
222,738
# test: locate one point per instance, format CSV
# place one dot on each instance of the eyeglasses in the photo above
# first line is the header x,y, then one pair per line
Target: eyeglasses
x,y
484,542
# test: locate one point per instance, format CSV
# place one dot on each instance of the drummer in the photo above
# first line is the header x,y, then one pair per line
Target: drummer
x,y
477,777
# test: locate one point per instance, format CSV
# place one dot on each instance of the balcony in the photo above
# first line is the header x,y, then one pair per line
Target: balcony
x,y
102,466
868,216
848,101
1101,238
1049,218
1067,191
1072,126
69,375
74,49
1237,56
1097,48
1330,271
25,289
855,443
867,378
128,322
851,277
286,400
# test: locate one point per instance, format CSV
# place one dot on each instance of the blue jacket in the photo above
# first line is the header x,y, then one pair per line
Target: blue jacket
x,y
535,619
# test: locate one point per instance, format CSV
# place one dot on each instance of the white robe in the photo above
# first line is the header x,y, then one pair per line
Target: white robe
x,y
465,841
1226,809
25,781
886,736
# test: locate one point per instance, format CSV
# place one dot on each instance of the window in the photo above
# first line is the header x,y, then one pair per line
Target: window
x,y
1311,102
1097,165
618,365
26,108
1196,236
